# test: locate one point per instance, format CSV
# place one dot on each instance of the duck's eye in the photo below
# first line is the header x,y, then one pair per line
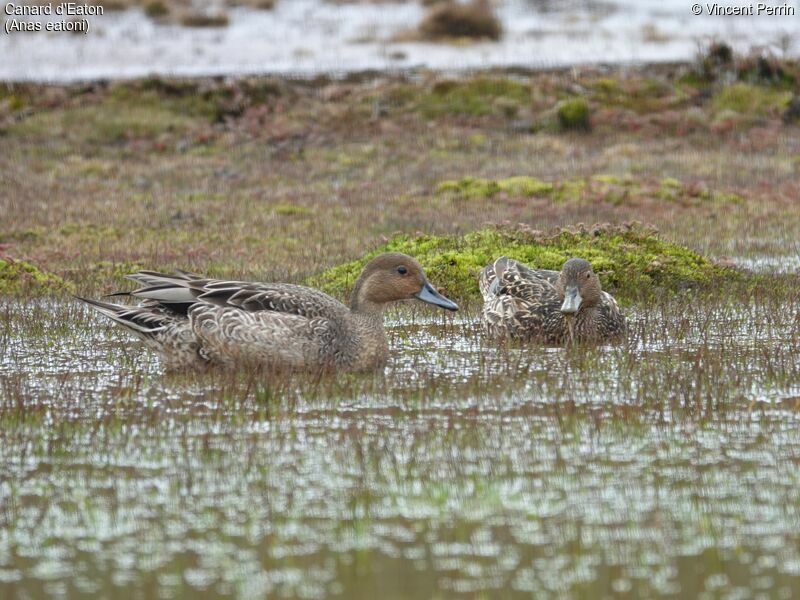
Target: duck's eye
x,y
402,270
589,275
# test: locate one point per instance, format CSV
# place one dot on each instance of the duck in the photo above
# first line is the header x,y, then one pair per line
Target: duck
x,y
194,322
546,306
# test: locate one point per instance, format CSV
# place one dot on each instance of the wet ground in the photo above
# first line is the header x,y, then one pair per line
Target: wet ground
x,y
666,466
309,37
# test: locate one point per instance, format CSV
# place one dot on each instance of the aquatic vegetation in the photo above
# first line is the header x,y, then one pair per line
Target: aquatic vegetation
x,y
632,261
500,469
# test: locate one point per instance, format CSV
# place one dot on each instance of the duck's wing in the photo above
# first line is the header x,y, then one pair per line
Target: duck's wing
x,y
234,337
518,301
507,277
550,276
612,321
183,290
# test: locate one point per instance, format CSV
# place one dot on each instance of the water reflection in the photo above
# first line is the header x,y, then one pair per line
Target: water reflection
x,y
664,466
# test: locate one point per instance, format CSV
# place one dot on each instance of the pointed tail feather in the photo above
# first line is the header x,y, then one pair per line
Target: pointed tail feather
x,y
144,321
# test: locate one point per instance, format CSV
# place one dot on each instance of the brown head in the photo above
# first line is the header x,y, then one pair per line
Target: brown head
x,y
390,277
578,286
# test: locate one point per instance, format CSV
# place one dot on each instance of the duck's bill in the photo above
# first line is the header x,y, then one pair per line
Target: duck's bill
x,y
431,296
572,301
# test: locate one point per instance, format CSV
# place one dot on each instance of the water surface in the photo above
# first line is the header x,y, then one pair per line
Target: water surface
x,y
667,466
309,37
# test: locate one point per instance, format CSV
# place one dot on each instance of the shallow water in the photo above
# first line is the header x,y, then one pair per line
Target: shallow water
x,y
668,465
308,37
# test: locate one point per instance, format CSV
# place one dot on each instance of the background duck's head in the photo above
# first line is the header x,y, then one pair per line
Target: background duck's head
x,y
391,277
578,286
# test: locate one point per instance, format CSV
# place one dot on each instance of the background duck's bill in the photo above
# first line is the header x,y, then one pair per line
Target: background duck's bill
x,y
572,301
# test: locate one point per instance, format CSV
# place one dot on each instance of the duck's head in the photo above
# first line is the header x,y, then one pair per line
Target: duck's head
x,y
578,286
391,277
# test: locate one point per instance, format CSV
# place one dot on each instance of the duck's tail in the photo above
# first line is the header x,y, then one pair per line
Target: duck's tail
x,y
144,321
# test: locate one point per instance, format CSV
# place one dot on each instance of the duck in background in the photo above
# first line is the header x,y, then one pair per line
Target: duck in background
x,y
548,306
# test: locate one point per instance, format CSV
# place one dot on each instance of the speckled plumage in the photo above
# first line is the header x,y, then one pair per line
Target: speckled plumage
x,y
191,321
520,302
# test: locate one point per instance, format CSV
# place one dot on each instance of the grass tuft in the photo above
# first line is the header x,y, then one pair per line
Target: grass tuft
x,y
199,19
451,20
747,99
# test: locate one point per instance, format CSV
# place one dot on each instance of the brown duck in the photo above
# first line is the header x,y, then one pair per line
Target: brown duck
x,y
548,306
193,322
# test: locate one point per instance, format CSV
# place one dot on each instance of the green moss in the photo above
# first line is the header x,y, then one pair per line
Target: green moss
x,y
633,262
608,86
206,197
21,278
612,179
476,187
573,114
478,140
596,189
474,97
752,100
291,210
90,232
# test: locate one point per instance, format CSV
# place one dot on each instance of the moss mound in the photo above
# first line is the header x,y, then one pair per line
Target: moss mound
x,y
573,114
633,261
18,277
